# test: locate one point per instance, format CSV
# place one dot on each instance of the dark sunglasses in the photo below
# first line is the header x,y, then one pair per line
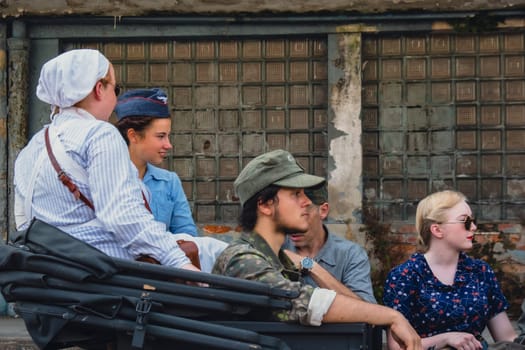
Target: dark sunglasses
x,y
117,89
467,222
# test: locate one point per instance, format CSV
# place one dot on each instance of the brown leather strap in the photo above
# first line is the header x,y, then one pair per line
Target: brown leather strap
x,y
190,248
146,204
66,180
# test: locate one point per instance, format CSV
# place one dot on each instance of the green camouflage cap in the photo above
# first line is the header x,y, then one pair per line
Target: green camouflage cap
x,y
277,167
318,194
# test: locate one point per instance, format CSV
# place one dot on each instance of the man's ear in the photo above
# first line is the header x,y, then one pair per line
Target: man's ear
x,y
266,208
323,210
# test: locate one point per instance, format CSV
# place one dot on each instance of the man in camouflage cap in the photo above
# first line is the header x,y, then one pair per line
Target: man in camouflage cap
x,y
337,263
271,192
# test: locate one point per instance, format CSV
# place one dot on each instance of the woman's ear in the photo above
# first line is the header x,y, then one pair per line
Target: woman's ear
x,y
132,135
435,229
97,89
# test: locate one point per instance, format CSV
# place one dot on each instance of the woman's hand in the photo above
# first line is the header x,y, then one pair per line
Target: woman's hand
x,y
455,340
463,341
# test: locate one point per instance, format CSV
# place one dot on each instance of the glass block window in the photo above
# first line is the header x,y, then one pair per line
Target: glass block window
x,y
444,111
231,100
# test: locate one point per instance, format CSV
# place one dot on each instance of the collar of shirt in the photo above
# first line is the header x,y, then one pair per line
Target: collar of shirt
x,y
156,173
281,263
463,272
325,254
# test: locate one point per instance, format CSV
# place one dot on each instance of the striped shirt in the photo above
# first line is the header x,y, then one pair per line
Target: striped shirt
x,y
126,228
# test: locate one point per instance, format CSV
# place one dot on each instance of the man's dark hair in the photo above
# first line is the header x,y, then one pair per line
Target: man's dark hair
x,y
248,217
138,123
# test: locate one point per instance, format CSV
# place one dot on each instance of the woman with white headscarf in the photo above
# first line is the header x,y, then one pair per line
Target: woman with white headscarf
x,y
81,88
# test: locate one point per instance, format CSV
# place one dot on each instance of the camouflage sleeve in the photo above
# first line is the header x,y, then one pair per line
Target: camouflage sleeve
x,y
250,264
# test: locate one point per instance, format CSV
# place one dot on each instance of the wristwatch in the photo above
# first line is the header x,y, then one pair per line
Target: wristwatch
x,y
307,264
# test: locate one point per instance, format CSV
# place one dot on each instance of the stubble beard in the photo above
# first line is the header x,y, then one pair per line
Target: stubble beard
x,y
284,228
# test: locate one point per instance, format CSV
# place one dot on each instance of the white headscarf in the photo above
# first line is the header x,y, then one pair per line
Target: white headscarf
x,y
70,77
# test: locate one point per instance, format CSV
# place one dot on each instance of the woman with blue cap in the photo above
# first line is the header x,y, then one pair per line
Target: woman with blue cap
x,y
106,208
144,121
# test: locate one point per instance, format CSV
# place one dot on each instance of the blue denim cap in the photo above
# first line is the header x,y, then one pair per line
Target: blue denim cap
x,y
143,102
277,167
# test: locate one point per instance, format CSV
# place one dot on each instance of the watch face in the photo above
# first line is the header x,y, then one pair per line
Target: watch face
x,y
307,263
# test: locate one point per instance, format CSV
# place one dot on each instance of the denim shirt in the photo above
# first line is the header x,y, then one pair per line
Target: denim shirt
x,y
168,202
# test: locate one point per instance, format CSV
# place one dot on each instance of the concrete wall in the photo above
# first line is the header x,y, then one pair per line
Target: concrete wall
x,y
17,8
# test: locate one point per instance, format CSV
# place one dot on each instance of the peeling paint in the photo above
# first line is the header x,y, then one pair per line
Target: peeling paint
x,y
344,190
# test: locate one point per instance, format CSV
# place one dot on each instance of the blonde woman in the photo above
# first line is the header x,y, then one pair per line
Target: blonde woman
x,y
448,297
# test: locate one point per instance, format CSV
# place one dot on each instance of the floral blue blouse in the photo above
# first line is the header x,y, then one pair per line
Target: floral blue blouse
x,y
432,307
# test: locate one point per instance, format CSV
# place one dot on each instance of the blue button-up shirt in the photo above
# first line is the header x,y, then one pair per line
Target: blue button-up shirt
x,y
168,202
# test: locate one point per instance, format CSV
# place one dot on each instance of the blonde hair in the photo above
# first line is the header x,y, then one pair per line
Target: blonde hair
x,y
433,209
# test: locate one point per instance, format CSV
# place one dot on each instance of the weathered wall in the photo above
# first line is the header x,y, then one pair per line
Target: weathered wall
x,y
345,102
345,94
345,135
17,111
12,8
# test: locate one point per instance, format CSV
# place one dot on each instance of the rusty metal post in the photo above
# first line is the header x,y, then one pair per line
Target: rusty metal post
x,y
17,112
3,130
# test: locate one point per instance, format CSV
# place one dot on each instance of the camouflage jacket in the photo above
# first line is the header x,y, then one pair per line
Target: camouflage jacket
x,y
251,258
